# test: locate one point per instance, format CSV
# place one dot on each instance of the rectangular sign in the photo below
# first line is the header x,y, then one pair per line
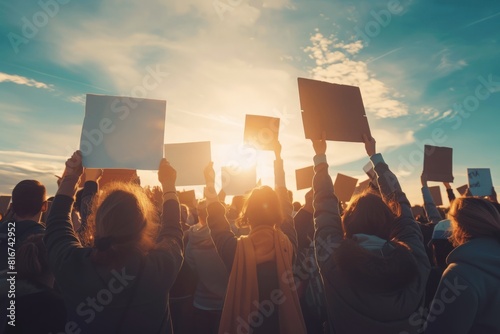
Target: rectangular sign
x,y
480,183
438,163
189,160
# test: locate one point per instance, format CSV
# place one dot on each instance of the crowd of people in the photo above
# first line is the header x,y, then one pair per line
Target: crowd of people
x,y
125,259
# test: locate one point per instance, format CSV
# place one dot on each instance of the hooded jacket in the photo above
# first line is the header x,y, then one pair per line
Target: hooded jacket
x,y
371,285
202,257
468,296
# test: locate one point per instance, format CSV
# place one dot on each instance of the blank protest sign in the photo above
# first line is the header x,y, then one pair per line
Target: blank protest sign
x,y
438,163
238,181
187,197
336,109
189,160
122,132
362,186
480,183
344,187
304,177
261,132
436,195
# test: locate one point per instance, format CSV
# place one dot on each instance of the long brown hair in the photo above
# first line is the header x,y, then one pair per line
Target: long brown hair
x,y
473,218
368,213
123,220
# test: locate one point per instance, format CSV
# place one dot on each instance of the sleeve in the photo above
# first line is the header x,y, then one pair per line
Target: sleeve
x,y
454,306
433,215
170,237
304,224
287,225
60,239
224,239
90,189
405,228
328,228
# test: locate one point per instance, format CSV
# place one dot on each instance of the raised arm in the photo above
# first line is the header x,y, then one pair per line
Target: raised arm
x,y
328,227
433,215
60,238
286,205
90,189
404,229
224,239
449,192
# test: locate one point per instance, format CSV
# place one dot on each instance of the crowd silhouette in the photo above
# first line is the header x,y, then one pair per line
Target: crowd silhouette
x,y
127,259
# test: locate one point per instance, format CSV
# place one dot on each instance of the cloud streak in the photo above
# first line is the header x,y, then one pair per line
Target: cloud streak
x,y
20,80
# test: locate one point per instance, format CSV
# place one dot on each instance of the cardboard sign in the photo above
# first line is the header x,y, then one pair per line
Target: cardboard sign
x,y
4,204
122,132
438,163
189,160
336,109
187,197
436,195
238,181
261,132
462,189
344,187
114,175
304,177
480,183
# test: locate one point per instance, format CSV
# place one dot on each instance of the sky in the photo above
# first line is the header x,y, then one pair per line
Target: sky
x,y
428,72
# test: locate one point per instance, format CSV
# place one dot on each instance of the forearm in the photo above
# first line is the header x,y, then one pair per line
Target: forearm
x,y
223,238
431,211
60,238
328,227
90,189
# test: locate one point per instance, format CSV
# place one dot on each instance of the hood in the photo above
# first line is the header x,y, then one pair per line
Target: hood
x,y
199,236
375,264
481,253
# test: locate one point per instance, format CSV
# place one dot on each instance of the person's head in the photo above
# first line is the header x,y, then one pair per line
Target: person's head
x,y
29,198
124,219
473,218
31,260
296,206
368,214
262,207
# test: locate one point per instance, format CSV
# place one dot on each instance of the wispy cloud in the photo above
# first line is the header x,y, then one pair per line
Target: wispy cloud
x,y
334,63
448,64
20,80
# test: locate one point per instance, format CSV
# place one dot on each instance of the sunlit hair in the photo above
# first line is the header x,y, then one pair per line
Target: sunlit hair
x,y
368,213
473,218
31,258
261,207
124,213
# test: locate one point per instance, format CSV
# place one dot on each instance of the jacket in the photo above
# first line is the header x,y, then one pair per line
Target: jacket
x,y
364,293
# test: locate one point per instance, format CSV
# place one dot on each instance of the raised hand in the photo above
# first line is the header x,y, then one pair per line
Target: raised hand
x,y
423,179
319,145
74,165
167,175
370,145
209,174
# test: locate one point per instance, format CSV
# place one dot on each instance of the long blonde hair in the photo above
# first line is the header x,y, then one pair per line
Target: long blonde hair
x,y
122,220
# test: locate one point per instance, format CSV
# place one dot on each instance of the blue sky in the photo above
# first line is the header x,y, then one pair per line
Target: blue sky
x,y
428,72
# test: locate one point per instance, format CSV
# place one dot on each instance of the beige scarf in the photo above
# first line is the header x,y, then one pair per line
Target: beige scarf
x,y
264,243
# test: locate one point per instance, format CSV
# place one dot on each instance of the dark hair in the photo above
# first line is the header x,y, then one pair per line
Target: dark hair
x,y
32,262
28,197
262,207
368,214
